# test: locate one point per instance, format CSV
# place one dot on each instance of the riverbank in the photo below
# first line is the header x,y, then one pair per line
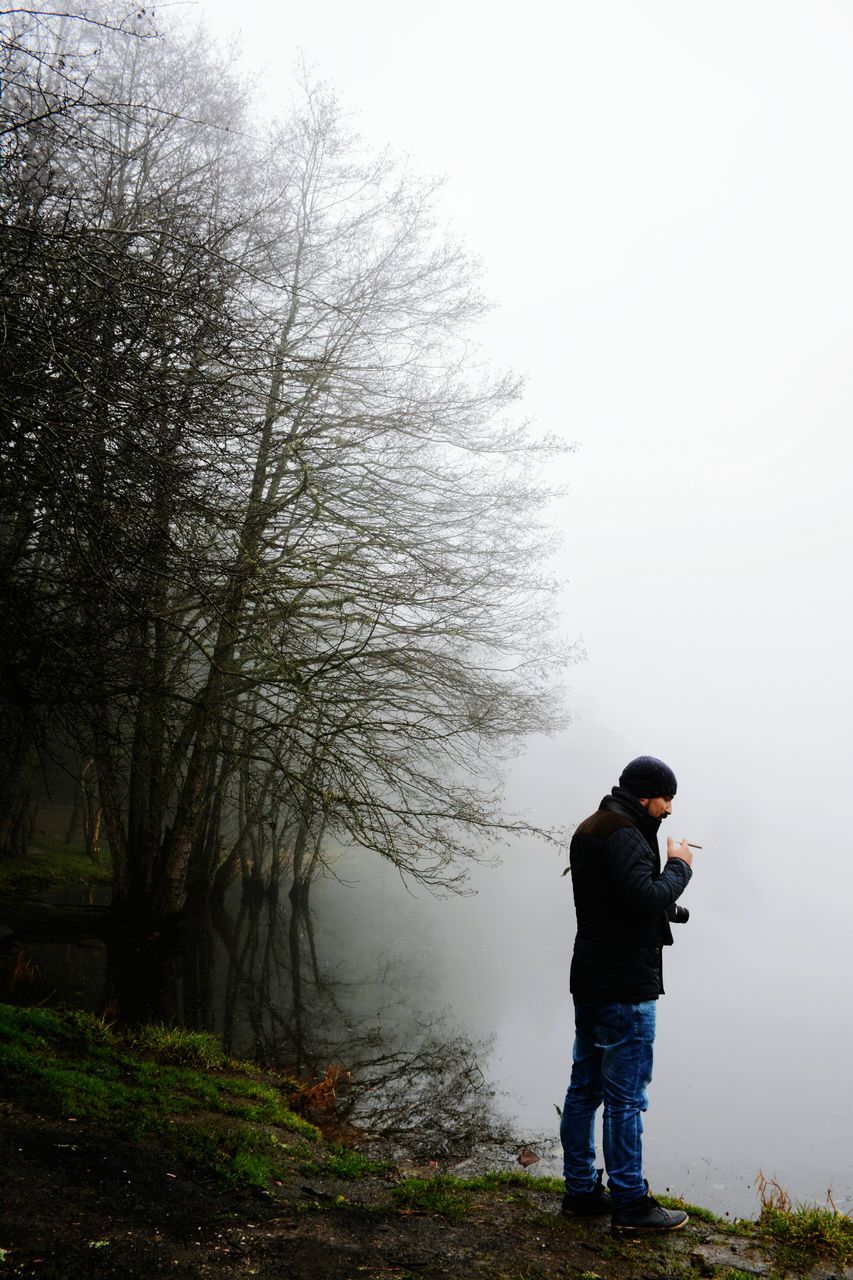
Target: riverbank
x,y
52,867
149,1153
53,862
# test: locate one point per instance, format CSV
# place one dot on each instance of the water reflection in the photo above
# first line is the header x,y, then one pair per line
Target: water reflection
x,y
276,986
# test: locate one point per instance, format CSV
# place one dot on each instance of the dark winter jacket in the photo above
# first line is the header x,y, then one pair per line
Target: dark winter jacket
x,y
623,903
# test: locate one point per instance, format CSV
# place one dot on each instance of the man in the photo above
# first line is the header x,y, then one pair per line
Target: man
x,y
624,903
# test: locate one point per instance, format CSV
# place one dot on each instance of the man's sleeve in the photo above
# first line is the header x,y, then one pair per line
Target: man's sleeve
x,y
631,869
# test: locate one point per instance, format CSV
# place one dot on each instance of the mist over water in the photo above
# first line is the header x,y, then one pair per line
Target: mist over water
x,y
752,1064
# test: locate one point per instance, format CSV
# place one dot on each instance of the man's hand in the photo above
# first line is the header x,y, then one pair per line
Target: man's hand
x,y
674,850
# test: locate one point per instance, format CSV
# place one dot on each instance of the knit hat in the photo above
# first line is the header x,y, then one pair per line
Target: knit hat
x,y
647,778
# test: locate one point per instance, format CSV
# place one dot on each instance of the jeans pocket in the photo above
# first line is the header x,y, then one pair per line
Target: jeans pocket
x,y
609,1024
645,1021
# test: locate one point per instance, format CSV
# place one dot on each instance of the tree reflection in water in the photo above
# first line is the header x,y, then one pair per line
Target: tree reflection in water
x,y
250,972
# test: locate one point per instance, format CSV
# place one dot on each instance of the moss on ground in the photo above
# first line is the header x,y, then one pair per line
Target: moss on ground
x,y
51,862
164,1083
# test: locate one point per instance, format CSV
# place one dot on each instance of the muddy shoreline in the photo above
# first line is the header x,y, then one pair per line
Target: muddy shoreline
x,y
136,1153
80,1202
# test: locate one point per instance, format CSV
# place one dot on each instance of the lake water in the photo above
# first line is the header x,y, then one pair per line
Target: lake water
x,y
458,1011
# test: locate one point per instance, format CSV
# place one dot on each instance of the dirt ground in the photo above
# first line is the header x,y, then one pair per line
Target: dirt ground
x,y
78,1204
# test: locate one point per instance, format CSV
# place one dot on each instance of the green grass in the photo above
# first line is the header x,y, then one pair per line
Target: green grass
x,y
804,1234
174,1085
447,1196
508,1178
696,1211
53,862
454,1197
343,1162
175,1044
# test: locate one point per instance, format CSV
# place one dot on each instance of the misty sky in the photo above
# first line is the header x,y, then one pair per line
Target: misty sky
x,y
662,200
661,197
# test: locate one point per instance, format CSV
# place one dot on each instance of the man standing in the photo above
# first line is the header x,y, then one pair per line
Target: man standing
x,y
624,903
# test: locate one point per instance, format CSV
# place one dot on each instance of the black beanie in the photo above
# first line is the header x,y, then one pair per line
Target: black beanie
x,y
647,778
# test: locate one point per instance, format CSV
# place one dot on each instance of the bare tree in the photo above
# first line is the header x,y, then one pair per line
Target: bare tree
x,y
282,528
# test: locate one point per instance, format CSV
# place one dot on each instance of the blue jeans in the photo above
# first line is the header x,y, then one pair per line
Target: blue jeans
x,y
611,1062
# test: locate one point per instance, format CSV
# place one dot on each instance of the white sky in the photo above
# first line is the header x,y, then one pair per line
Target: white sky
x,y
662,198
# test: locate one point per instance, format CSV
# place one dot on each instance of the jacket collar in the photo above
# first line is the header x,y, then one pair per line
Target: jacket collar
x,y
621,801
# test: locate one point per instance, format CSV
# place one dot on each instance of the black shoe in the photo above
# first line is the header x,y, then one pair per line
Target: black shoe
x,y
646,1215
590,1203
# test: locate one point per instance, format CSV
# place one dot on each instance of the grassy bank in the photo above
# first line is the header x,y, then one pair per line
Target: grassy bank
x,y
52,862
172,1086
167,1113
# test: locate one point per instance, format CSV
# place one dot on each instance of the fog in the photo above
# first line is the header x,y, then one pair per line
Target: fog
x,y
661,197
